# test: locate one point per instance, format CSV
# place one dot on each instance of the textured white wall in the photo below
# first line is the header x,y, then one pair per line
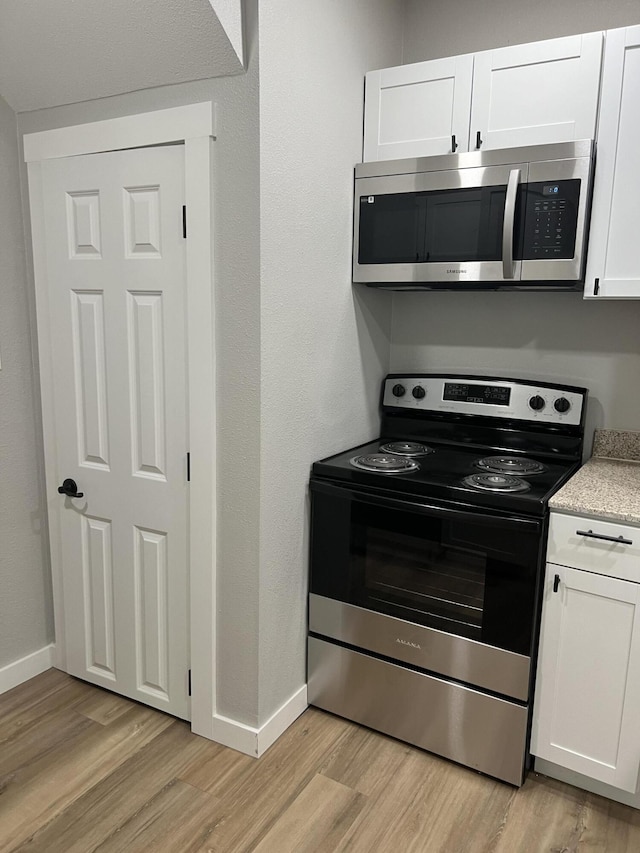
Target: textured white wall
x,y
324,342
25,589
540,335
64,52
237,242
556,336
445,28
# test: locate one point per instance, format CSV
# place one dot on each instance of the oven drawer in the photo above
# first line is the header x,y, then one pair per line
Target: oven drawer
x,y
480,731
575,541
447,654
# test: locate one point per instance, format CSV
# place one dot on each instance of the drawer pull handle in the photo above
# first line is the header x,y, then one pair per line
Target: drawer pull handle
x,y
556,583
591,535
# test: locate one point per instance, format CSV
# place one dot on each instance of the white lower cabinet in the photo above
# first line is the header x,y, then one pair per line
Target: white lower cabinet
x,y
587,701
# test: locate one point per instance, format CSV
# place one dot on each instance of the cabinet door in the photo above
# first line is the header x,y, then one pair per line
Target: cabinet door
x,y
613,263
536,93
587,701
416,110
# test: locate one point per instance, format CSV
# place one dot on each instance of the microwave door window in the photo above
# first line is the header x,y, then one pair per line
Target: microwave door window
x,y
391,229
465,224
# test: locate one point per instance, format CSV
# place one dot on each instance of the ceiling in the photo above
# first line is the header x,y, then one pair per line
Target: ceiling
x,y
56,52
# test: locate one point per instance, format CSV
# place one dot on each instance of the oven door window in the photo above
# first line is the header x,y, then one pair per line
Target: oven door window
x,y
464,572
470,576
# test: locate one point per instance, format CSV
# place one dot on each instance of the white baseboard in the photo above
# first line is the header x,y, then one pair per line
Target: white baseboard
x,y
25,668
256,741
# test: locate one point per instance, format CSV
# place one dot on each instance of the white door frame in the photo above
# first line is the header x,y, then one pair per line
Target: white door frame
x,y
193,125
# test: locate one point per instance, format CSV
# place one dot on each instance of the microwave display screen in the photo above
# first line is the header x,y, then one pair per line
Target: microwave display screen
x,y
491,395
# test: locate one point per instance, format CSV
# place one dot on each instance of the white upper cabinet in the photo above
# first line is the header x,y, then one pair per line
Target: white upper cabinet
x,y
527,94
531,94
418,110
613,262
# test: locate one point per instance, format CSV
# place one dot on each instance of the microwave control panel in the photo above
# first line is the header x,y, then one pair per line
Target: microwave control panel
x,y
550,219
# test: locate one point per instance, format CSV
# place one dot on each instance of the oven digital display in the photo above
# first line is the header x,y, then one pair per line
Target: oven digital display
x,y
491,395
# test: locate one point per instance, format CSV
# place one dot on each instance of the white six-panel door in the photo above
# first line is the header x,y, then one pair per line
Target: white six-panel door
x,y
115,263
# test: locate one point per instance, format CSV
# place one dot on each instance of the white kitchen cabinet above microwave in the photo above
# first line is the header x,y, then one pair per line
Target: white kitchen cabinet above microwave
x,y
523,95
613,262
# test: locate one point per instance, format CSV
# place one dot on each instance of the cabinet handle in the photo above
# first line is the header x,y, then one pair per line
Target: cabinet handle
x,y
478,140
454,144
556,583
591,535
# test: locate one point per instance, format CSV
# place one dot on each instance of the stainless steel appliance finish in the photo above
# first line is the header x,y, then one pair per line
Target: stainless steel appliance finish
x,y
462,659
525,237
537,402
452,720
424,589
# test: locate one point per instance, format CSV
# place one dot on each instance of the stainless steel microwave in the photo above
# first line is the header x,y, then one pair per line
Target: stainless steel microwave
x,y
510,218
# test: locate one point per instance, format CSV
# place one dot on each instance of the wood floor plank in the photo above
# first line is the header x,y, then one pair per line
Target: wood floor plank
x,y
44,789
430,804
253,797
88,775
610,826
24,706
548,816
50,733
176,820
92,817
316,820
104,707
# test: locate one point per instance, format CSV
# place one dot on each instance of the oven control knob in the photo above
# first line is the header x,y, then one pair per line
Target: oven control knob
x,y
536,403
418,392
562,405
398,390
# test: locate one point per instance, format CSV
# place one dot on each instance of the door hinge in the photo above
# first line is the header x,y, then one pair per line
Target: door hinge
x,y
188,467
184,220
189,684
596,287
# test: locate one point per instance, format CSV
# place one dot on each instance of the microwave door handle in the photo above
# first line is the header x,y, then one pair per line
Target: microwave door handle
x,y
508,224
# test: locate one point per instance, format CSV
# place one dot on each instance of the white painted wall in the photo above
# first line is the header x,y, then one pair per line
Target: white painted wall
x,y
26,622
236,246
442,28
324,344
541,335
64,52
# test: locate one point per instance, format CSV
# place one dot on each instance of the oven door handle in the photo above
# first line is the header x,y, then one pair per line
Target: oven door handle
x,y
443,512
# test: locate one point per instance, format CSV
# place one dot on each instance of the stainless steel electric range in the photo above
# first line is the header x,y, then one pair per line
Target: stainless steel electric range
x,y
427,555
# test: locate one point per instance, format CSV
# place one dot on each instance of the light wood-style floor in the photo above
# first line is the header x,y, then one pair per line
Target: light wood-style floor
x,y
82,770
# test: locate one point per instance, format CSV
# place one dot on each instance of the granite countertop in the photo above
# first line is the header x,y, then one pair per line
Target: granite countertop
x,y
608,485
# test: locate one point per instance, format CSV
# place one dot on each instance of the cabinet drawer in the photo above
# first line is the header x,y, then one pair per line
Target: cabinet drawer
x,y
568,546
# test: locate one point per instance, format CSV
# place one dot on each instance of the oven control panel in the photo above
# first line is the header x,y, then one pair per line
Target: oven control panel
x,y
475,395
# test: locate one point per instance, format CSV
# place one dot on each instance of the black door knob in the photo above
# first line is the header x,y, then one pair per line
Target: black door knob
x,y
70,489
